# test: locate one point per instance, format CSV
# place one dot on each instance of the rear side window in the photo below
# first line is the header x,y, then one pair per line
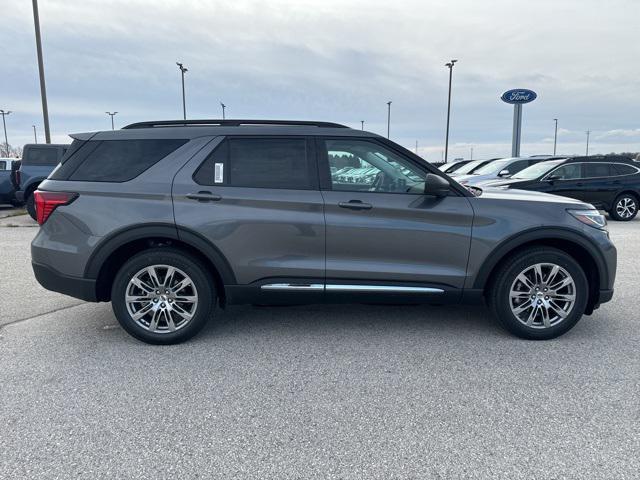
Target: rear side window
x,y
595,170
282,163
41,156
113,160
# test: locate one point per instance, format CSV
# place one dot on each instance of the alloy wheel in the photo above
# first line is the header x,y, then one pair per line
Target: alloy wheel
x,y
626,207
542,295
161,298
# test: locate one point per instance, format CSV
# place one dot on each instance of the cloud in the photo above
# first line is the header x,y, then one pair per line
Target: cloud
x,y
338,60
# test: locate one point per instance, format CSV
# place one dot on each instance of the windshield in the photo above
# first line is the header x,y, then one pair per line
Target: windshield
x,y
492,167
537,170
469,166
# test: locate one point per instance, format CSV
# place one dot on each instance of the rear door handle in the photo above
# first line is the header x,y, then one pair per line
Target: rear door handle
x,y
204,197
355,205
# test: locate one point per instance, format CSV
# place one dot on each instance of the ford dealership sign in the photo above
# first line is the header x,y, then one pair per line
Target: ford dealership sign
x,y
519,96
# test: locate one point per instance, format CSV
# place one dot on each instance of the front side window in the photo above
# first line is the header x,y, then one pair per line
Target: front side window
x,y
570,171
362,165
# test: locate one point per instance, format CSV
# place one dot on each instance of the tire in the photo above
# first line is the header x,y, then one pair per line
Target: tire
x,y
31,206
522,314
625,208
164,319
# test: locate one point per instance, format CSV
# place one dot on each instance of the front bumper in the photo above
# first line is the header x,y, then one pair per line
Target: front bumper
x,y
82,288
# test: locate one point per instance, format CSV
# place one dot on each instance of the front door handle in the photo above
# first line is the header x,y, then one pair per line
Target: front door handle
x,y
204,196
355,205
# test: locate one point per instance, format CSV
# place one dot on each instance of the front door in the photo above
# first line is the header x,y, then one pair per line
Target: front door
x,y
382,232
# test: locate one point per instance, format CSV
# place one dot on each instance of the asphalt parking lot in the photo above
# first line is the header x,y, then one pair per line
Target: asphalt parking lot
x,y
315,392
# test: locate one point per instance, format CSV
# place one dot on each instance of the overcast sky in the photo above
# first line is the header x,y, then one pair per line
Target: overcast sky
x,y
337,61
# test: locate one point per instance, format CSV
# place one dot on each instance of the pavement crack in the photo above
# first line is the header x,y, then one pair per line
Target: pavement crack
x,y
20,320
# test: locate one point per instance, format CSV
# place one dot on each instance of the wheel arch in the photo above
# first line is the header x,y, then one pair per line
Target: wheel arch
x,y
113,251
574,244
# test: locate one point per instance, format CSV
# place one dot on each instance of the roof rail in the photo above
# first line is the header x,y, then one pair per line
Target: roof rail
x,y
231,123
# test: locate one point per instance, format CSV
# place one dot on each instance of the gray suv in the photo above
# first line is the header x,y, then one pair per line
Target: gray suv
x,y
169,219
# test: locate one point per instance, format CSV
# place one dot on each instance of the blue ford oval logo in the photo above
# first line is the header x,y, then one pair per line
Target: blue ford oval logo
x,y
519,95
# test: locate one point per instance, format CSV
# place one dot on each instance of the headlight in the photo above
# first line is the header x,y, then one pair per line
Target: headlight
x,y
593,218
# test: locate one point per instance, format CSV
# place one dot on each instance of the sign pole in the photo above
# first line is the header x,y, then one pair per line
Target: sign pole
x,y
517,130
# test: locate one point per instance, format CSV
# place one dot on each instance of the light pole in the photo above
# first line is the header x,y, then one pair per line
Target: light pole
x,y
446,142
43,88
111,114
555,136
362,124
471,157
388,118
588,132
223,107
4,113
35,137
183,70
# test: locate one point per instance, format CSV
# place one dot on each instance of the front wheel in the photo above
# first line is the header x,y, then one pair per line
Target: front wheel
x,y
540,294
163,296
625,208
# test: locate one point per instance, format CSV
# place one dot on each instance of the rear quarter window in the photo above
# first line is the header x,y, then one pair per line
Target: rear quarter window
x,y
621,169
114,160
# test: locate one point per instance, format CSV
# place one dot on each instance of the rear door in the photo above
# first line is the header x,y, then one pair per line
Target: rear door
x,y
383,233
597,184
257,200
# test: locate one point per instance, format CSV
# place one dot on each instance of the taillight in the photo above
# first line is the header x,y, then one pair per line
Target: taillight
x,y
47,202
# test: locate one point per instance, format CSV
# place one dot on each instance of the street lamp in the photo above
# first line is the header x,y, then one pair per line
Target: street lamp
x,y
183,70
588,132
43,88
555,136
388,118
111,114
35,136
223,107
449,65
362,124
4,113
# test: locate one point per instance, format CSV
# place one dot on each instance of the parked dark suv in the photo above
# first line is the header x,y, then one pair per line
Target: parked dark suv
x,y
168,219
610,183
38,161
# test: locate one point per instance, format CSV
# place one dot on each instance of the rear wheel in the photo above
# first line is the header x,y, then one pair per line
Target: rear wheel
x,y
625,208
31,205
540,294
163,296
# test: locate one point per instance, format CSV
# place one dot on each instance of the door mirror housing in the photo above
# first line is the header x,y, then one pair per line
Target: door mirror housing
x,y
436,185
553,178
504,173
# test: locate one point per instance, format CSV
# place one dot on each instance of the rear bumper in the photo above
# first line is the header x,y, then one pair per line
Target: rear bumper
x,y
82,288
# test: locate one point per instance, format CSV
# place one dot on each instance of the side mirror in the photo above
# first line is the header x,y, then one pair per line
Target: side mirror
x,y
436,185
553,178
504,173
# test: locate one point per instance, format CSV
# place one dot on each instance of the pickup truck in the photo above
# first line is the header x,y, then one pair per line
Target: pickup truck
x,y
38,161
7,189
